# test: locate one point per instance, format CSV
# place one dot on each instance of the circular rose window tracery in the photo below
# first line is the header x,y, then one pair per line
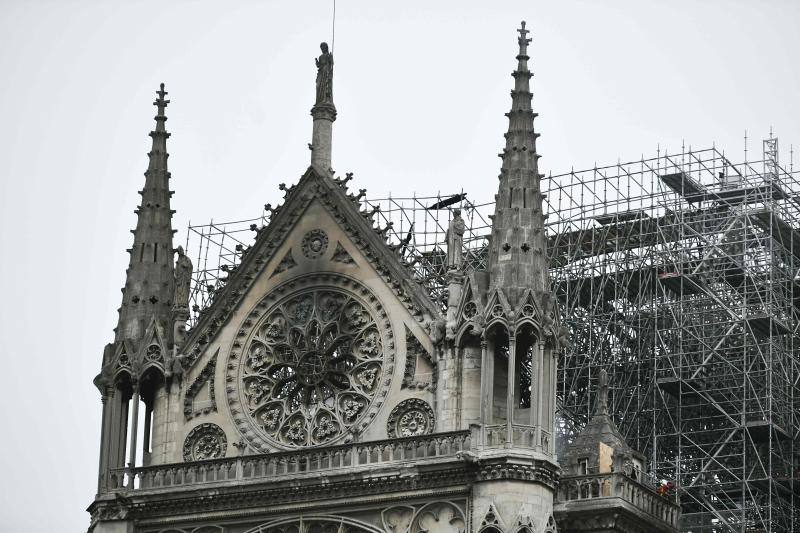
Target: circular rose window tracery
x,y
312,367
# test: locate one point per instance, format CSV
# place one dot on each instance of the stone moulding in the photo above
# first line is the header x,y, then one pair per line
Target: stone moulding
x,y
206,375
414,351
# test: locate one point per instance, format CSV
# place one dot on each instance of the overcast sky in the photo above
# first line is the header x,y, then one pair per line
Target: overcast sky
x,y
420,91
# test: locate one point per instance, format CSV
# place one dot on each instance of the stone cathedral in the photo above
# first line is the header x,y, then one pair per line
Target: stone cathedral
x,y
324,391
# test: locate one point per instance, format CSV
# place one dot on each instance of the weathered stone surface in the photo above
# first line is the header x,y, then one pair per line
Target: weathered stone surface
x,y
324,389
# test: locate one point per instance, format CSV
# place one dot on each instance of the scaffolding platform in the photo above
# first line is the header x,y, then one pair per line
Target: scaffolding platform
x,y
676,387
761,430
680,283
785,234
765,326
683,184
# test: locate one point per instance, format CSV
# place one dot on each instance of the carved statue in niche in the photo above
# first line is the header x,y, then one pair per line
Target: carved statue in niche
x,y
455,240
183,279
324,75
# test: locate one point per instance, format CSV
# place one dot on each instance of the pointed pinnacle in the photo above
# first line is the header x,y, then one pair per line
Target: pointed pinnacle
x,y
160,102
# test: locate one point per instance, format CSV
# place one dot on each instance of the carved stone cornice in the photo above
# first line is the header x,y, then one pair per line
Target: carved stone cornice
x,y
508,468
234,500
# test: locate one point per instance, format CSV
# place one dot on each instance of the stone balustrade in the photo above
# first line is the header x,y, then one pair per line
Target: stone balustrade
x,y
619,485
329,460
523,436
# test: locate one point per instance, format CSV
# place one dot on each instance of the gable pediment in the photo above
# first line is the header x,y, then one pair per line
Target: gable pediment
x,y
318,228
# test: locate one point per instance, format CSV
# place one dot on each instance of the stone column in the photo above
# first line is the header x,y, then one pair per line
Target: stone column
x,y
102,481
119,430
543,392
487,382
512,366
447,392
536,384
551,413
162,421
322,137
148,417
471,384
134,435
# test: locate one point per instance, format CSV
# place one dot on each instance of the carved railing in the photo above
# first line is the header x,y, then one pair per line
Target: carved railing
x,y
523,436
619,485
262,467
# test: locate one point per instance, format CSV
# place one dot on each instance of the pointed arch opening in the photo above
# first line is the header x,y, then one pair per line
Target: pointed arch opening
x,y
527,375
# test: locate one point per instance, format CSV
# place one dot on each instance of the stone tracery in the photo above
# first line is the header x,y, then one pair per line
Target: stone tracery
x,y
410,418
206,441
311,368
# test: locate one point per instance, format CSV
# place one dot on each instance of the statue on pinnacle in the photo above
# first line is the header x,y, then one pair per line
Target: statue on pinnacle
x,y
324,76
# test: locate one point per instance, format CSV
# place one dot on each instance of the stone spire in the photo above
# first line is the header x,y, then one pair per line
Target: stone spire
x,y
324,113
149,284
517,259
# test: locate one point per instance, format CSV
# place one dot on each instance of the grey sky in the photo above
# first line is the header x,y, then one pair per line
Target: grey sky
x,y
421,92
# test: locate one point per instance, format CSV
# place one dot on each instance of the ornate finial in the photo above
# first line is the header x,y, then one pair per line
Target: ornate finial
x,y
160,102
601,406
324,76
524,41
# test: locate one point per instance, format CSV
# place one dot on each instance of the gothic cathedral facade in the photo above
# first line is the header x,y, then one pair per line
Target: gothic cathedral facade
x,y
325,390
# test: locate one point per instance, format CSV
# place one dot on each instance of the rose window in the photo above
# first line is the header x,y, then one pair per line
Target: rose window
x,y
311,368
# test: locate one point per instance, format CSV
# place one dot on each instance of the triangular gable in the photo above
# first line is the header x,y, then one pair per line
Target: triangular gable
x,y
469,315
529,309
152,348
467,297
124,357
358,227
524,523
497,306
492,519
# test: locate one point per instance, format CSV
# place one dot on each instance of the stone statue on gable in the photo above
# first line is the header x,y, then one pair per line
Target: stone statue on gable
x,y
183,279
455,240
324,75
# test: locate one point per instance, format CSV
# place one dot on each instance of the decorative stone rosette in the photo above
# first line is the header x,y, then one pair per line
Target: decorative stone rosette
x,y
206,441
314,365
410,418
314,244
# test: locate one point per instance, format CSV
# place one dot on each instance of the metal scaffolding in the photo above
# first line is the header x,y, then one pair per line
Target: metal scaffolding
x,y
678,274
417,225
